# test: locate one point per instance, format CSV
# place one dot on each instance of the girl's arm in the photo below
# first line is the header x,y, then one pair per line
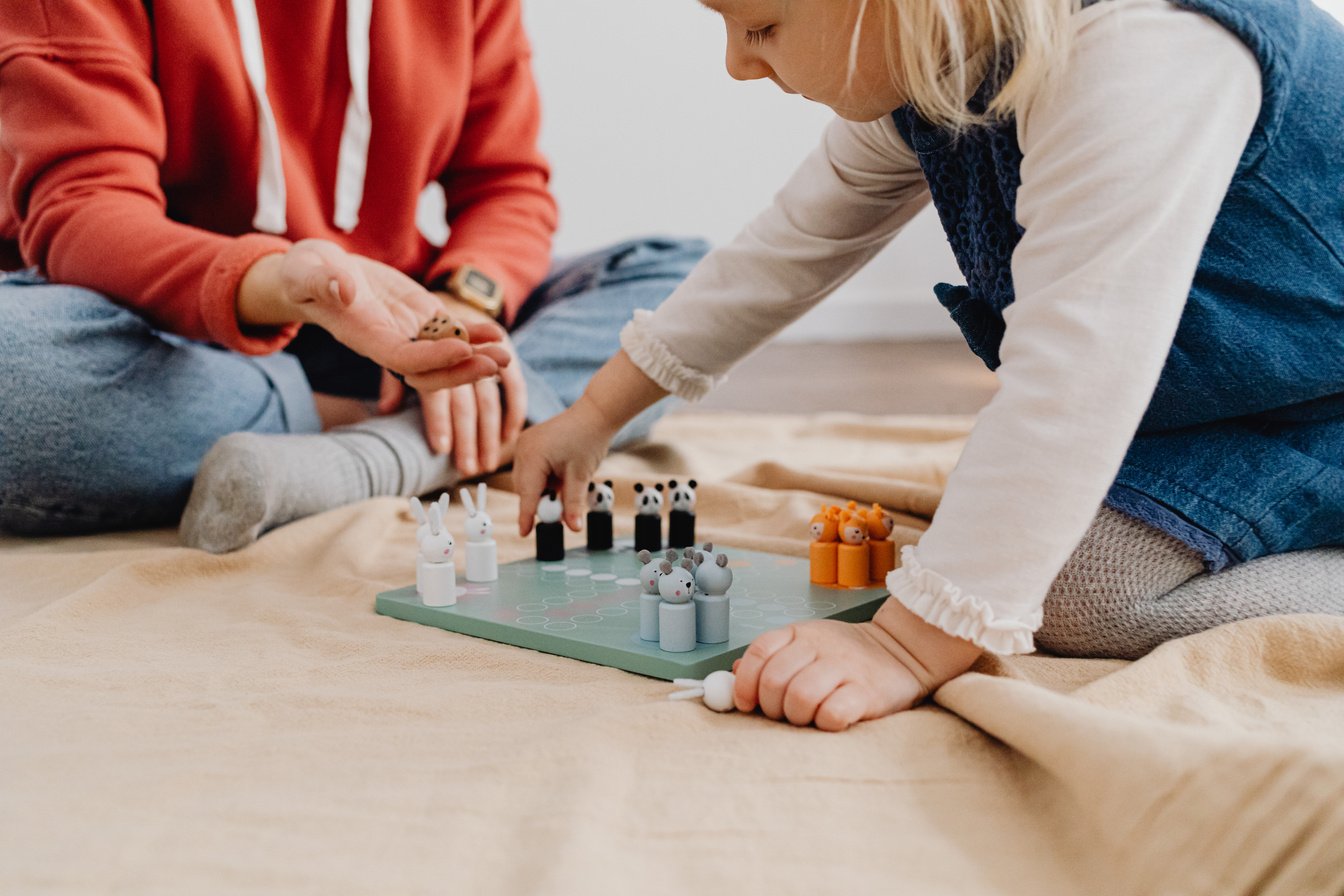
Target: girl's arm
x,y
845,202
1125,168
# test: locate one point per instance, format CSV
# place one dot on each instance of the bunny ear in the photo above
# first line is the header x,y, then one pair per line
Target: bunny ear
x,y
480,496
435,519
443,501
418,511
467,502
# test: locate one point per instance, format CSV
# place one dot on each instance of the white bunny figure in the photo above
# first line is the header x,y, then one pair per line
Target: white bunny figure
x,y
418,512
482,554
436,572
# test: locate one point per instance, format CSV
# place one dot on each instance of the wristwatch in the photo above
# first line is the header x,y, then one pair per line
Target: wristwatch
x,y
477,289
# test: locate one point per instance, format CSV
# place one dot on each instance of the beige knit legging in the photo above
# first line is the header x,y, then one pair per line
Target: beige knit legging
x,y
1128,588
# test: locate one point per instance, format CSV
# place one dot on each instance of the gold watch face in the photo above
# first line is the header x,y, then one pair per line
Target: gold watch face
x,y
476,288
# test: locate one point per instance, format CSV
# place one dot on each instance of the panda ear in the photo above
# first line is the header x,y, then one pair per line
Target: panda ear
x,y
591,488
692,484
608,484
659,486
671,483
639,487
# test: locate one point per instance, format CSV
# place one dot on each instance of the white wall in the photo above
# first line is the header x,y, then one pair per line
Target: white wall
x,y
648,134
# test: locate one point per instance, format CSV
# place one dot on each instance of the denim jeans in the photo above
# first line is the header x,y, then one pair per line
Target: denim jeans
x,y
104,420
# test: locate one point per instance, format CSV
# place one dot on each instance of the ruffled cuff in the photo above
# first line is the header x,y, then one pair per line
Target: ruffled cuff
x,y
652,356
943,605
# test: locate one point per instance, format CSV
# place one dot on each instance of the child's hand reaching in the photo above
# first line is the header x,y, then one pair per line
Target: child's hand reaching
x,y
565,449
833,674
564,452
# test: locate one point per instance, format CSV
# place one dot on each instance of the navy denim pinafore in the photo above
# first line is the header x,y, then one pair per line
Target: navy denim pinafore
x,y
1241,451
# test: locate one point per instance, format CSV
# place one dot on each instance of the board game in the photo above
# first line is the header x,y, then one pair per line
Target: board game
x,y
586,607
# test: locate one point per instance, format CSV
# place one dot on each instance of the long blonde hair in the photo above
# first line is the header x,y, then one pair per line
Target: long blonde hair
x,y
940,50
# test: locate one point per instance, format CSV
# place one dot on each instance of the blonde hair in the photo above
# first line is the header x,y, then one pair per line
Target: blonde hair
x,y
939,51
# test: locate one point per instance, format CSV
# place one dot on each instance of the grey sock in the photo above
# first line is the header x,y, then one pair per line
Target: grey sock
x,y
1128,588
250,483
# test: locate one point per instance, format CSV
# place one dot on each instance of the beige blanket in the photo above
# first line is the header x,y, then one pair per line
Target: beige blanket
x,y
173,722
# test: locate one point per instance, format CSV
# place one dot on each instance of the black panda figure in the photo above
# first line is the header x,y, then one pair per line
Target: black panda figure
x,y
648,518
681,518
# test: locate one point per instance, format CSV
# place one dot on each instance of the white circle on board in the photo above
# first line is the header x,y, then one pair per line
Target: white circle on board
x,y
556,601
822,605
585,618
627,581
580,571
604,577
532,620
799,612
612,611
554,567
532,608
559,626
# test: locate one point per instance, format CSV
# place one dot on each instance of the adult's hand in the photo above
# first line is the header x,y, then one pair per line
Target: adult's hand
x,y
480,422
369,307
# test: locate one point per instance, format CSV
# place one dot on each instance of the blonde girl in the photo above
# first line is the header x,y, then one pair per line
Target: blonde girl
x,y
1146,198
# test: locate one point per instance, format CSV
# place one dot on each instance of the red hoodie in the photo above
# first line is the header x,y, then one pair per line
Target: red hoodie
x,y
132,140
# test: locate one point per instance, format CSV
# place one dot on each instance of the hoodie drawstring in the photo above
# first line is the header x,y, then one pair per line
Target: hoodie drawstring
x,y
353,159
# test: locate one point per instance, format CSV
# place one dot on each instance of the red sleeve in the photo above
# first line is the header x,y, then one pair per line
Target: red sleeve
x,y
85,135
500,209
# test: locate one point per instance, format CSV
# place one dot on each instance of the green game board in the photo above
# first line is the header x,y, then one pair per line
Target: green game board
x,y
586,607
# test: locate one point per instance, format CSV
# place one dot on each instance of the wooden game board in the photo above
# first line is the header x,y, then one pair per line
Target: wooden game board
x,y
586,607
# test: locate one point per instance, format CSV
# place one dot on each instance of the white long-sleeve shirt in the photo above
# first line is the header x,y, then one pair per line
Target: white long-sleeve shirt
x,y
1125,165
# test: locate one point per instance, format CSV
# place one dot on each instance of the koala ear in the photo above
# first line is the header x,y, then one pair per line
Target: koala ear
x,y
644,556
688,566
722,560
671,555
699,556
665,567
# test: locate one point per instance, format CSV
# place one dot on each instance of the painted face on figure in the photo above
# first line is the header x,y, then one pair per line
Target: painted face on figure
x,y
804,47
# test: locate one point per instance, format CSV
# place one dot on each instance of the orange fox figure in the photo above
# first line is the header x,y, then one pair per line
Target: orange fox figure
x,y
881,552
824,529
853,550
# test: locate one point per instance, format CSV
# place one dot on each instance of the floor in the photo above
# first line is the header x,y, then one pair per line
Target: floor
x,y
865,378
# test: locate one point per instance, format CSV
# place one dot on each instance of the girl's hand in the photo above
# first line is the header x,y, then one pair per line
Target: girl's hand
x,y
833,674
563,452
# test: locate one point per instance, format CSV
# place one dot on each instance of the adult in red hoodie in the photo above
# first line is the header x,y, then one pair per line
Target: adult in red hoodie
x,y
193,186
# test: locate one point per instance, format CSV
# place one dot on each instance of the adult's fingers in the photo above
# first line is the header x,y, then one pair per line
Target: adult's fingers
x,y
514,388
460,374
391,393
746,685
464,430
489,421
434,407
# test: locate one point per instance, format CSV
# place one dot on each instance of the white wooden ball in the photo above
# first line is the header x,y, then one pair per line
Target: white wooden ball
x,y
719,691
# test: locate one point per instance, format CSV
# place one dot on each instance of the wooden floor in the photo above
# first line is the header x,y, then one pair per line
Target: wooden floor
x,y
864,378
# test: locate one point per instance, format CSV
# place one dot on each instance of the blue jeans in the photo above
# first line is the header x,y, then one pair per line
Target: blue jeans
x,y
104,420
